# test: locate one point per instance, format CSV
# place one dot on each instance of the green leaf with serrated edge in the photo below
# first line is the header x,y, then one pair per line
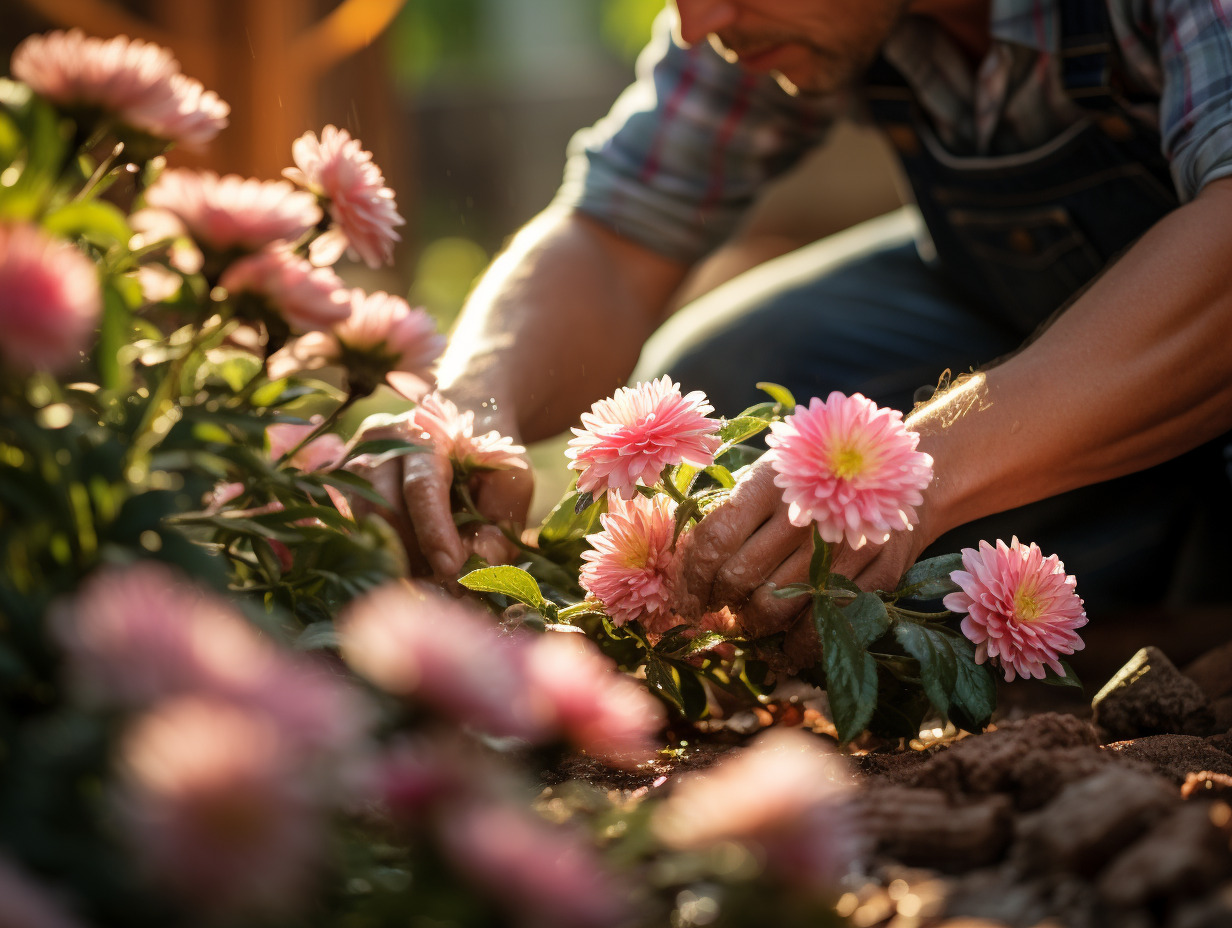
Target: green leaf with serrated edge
x,y
938,664
930,579
868,617
975,689
721,475
780,394
1070,679
740,429
507,580
851,672
792,590
682,477
819,564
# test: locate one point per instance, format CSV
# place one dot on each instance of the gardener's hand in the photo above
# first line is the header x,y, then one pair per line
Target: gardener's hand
x,y
417,488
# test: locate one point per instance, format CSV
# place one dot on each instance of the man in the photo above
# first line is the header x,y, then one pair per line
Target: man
x,y
1032,133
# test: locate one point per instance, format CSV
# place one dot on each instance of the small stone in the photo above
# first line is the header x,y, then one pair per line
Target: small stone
x,y
1149,696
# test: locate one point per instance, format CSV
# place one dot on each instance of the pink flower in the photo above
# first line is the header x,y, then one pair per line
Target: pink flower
x,y
786,795
433,649
231,212
49,300
217,808
597,708
1021,607
320,455
308,298
629,438
850,467
452,435
633,569
546,876
336,168
385,337
24,904
137,82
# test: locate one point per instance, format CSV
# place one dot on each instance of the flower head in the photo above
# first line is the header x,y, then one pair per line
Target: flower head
x,y
786,795
452,435
136,82
363,210
306,298
629,438
385,337
594,706
435,650
49,300
632,567
1021,607
232,212
216,808
849,467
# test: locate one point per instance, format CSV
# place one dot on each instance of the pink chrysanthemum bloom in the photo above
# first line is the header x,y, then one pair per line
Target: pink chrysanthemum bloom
x,y
435,650
364,213
544,875
49,300
1021,607
632,568
786,795
630,437
452,434
307,298
139,83
850,467
233,213
217,808
384,338
594,706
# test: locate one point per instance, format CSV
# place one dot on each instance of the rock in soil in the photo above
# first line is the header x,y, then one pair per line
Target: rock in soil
x,y
1149,696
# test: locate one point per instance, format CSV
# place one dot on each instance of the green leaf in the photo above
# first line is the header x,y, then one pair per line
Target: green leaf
x,y
938,663
721,475
975,689
741,428
508,581
868,617
780,394
792,590
565,524
682,477
96,221
684,512
930,579
1070,678
113,334
662,679
839,582
385,449
851,672
819,564
319,636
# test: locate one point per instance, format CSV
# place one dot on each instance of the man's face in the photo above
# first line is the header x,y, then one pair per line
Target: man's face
x,y
815,46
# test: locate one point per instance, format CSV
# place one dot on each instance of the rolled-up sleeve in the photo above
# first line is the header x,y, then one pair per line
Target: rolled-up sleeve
x,y
686,148
1195,50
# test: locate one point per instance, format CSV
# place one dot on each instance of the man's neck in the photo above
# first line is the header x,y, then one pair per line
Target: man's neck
x,y
966,21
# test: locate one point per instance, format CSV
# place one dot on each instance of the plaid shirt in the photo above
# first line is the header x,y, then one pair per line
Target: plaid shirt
x,y
688,146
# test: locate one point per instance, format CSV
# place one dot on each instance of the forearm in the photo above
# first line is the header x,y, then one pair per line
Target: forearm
x,y
556,322
1137,371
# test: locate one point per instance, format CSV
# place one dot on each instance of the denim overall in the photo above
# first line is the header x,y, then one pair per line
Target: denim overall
x,y
1023,233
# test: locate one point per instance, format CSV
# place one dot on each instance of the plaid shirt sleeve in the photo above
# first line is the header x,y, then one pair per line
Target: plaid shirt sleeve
x,y
686,148
1195,108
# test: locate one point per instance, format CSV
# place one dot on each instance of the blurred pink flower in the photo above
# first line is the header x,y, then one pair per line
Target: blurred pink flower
x,y
452,434
597,709
25,904
786,796
544,875
49,300
632,567
364,213
308,298
1021,607
425,646
140,634
139,83
385,338
216,807
850,467
232,212
629,438
320,455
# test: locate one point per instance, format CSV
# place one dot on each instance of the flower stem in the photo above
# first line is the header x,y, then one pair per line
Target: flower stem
x,y
326,424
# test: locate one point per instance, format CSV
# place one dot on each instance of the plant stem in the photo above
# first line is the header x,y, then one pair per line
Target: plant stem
x,y
325,425
100,172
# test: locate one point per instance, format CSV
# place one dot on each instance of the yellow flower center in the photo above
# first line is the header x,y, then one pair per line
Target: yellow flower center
x,y
847,463
1026,607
